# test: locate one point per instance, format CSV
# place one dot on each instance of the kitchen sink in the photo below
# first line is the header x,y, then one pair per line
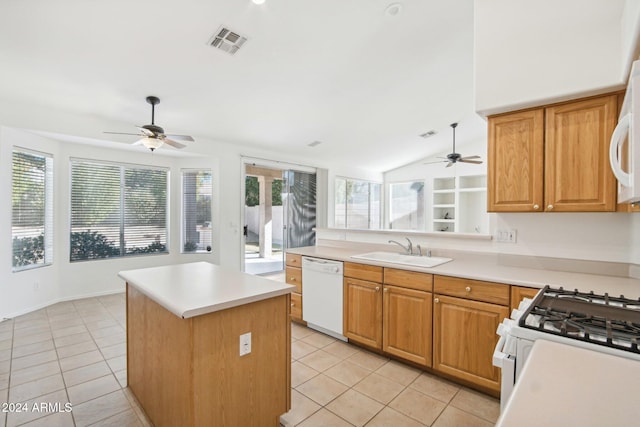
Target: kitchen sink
x,y
404,259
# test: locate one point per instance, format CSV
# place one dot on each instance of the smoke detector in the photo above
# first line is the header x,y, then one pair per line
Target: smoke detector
x,y
428,134
227,40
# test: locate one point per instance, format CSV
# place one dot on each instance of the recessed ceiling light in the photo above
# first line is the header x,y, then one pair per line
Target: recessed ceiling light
x,y
314,143
393,9
428,134
257,1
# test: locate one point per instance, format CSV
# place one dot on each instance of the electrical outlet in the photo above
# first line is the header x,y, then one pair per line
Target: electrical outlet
x,y
245,344
507,236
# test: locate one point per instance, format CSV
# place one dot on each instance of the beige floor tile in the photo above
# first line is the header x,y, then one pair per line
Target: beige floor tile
x,y
355,407
29,349
5,355
65,322
84,359
91,389
300,349
79,348
477,404
6,344
392,418
61,419
322,389
110,340
398,372
319,340
453,417
33,360
299,331
37,328
301,408
86,373
6,335
320,360
418,406
341,349
72,339
121,376
35,372
347,373
435,387
123,419
379,388
70,330
19,339
34,389
102,323
5,366
368,360
324,418
117,363
19,418
114,350
105,332
4,381
101,408
301,373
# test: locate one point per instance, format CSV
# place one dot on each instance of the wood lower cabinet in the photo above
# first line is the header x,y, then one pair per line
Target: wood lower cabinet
x,y
520,292
464,329
407,324
363,312
553,158
293,276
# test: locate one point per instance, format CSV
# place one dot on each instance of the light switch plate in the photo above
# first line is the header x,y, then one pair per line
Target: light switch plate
x,y
507,236
245,344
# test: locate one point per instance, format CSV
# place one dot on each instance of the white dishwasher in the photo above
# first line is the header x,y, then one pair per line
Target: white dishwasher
x,y
322,295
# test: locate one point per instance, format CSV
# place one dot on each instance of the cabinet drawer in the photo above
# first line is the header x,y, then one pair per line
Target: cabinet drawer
x,y
371,273
296,305
294,277
496,293
294,260
408,279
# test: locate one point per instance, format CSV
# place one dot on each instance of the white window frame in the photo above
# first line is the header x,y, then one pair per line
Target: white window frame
x,y
378,226
421,223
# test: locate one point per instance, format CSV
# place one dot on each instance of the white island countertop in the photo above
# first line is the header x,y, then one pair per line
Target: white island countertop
x,y
194,289
563,385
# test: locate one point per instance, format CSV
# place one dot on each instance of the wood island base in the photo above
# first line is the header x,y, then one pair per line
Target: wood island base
x,y
189,372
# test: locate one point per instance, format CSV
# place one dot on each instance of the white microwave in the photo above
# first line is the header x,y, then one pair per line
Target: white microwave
x,y
624,151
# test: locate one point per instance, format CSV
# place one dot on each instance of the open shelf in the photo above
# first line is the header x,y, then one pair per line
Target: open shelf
x,y
459,204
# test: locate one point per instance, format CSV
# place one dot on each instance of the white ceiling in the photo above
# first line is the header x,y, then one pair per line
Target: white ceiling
x,y
342,72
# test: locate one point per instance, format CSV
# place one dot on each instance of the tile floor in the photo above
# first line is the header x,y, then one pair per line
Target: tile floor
x,y
74,353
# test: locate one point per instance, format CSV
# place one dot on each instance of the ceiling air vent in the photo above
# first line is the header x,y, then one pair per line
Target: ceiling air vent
x,y
227,40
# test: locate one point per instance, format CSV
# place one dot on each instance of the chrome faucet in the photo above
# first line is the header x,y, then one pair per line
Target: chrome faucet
x,y
408,248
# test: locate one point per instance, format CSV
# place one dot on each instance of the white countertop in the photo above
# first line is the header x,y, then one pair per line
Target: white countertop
x,y
485,267
193,289
563,385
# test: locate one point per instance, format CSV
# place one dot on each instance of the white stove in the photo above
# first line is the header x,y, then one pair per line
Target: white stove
x,y
595,322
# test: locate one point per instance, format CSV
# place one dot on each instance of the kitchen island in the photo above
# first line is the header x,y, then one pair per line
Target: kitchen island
x,y
184,345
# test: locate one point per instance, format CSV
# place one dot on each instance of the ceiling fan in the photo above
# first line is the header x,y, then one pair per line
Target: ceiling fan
x,y
153,136
454,157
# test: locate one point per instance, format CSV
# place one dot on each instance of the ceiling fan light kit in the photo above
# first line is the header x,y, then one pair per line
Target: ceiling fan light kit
x,y
153,136
454,157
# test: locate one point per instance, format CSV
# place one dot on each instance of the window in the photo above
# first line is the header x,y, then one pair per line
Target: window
x,y
406,206
117,210
196,211
32,209
357,204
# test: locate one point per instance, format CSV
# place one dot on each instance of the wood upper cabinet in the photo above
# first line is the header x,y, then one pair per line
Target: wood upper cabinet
x,y
553,159
362,318
578,176
515,162
407,324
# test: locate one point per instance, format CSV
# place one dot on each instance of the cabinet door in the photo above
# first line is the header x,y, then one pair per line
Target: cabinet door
x,y
520,292
407,324
515,162
363,312
578,177
464,337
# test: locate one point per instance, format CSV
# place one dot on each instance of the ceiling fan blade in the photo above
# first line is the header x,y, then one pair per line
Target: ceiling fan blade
x,y
146,132
173,143
466,160
471,157
180,137
449,164
122,133
437,161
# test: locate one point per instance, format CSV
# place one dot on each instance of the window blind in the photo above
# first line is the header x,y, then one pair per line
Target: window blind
x,y
196,211
117,210
32,209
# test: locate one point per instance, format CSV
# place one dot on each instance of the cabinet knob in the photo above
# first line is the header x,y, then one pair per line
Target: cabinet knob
x,y
436,300
293,279
377,288
386,289
550,207
468,289
536,206
292,304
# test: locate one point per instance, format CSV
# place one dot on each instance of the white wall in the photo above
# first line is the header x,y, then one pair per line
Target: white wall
x,y
534,52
